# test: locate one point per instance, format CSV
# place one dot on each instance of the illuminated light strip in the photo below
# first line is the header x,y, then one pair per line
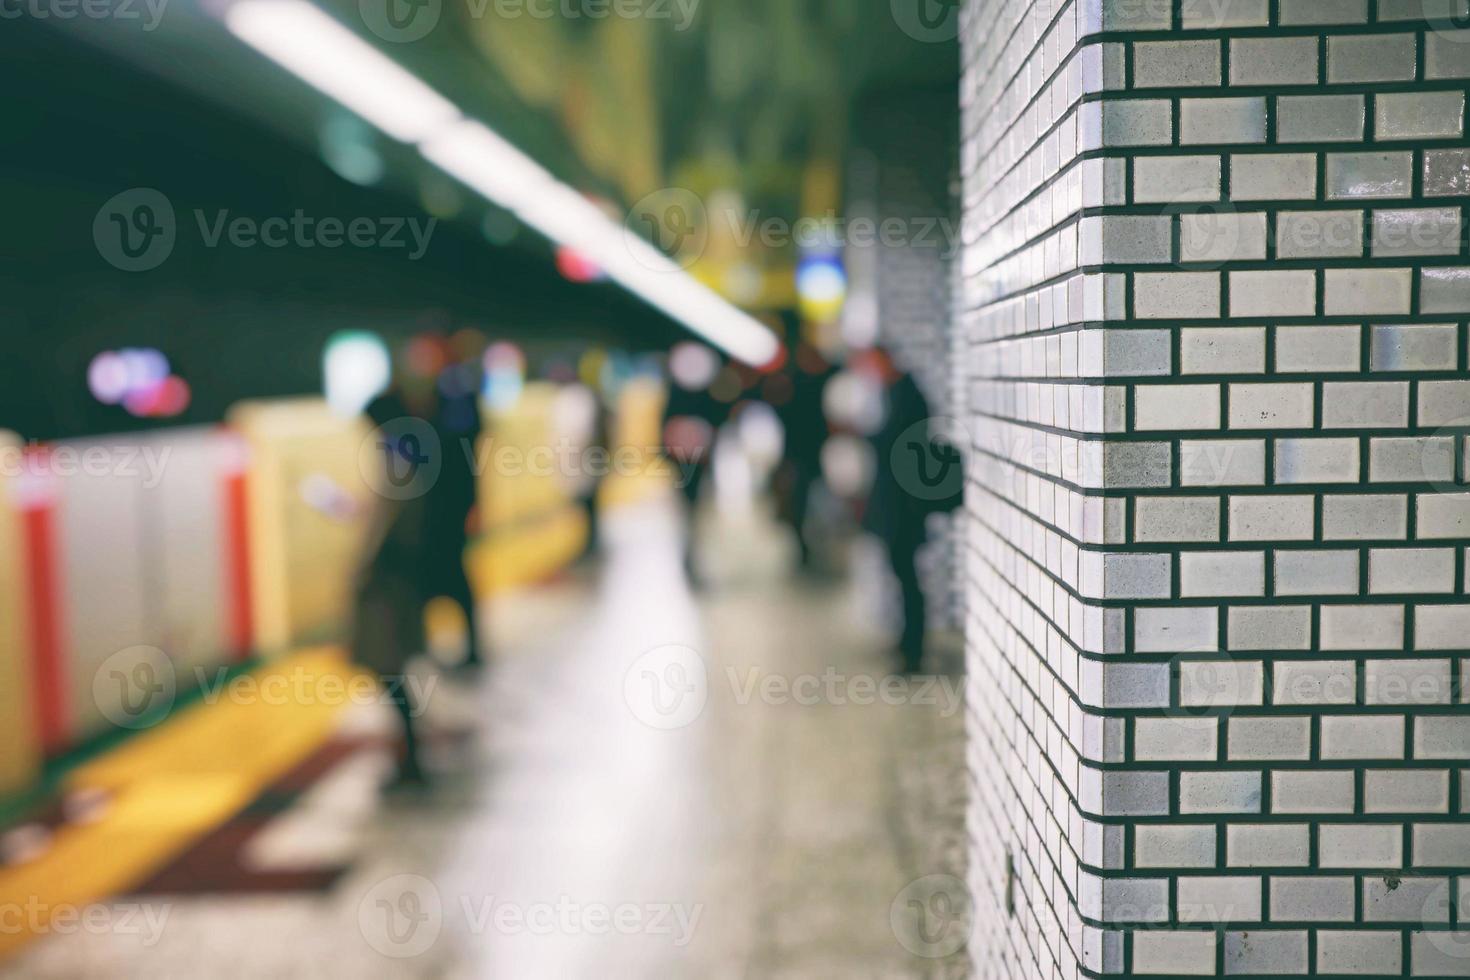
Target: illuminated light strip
x,y
477,157
321,52
326,55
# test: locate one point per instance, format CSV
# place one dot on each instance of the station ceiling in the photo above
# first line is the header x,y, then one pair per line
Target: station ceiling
x,y
743,101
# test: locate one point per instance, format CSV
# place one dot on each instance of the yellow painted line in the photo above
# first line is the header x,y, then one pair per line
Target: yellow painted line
x,y
525,554
170,787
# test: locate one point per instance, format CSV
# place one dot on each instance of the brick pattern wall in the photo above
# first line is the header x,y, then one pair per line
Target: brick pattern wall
x,y
1214,298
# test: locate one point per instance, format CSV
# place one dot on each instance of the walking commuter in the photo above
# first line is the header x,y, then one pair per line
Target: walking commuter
x,y
388,611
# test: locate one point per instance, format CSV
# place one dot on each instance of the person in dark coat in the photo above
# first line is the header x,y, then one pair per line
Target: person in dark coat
x,y
388,611
916,475
691,420
453,498
691,423
805,424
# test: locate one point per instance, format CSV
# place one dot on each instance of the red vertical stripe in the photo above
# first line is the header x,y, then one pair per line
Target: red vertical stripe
x,y
241,636
53,715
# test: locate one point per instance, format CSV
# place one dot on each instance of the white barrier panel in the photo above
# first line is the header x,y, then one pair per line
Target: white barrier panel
x,y
187,521
102,546
142,540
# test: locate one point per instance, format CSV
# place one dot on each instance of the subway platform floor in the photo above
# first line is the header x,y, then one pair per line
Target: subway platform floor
x,y
646,783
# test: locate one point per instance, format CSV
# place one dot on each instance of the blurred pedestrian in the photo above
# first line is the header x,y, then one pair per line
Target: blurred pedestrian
x,y
910,484
691,419
452,518
597,451
806,431
388,611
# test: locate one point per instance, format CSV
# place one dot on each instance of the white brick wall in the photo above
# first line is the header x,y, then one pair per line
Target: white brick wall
x,y
1212,325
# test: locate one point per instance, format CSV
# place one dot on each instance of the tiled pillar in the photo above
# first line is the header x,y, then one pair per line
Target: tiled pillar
x,y
1213,299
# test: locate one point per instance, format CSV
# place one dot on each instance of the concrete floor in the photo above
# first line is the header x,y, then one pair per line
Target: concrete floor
x,y
657,785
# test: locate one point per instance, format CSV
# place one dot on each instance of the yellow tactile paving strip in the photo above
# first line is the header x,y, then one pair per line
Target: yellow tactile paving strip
x,y
170,786
527,553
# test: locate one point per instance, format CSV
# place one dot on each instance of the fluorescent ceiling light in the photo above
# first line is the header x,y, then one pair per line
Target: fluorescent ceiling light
x,y
325,54
476,156
321,52
473,154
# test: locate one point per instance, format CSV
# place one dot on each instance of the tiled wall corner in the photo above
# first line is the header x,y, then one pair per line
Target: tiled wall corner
x,y
1213,309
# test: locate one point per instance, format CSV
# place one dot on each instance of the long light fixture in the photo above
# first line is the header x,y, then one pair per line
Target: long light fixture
x,y
320,51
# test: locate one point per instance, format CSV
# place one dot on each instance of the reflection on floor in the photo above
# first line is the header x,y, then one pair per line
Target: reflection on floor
x,y
644,785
